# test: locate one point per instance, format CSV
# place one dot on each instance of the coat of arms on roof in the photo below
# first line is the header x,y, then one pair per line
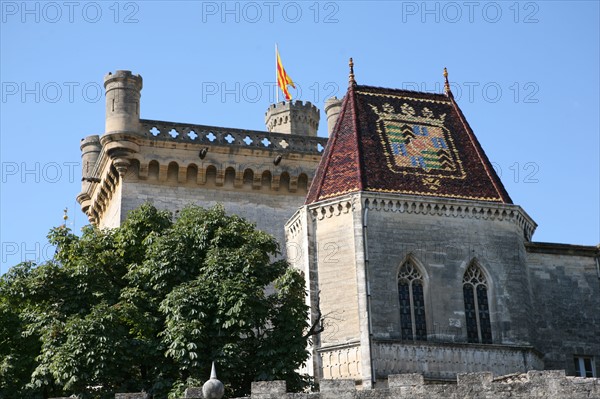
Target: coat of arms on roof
x,y
417,143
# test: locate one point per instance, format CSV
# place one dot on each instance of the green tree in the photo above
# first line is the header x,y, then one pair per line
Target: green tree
x,y
149,305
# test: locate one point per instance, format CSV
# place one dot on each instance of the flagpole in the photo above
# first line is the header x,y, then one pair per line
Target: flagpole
x,y
276,75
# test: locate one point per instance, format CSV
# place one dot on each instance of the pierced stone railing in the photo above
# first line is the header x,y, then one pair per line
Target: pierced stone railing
x,y
214,135
446,360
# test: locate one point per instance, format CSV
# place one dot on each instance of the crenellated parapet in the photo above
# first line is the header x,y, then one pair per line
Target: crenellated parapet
x,y
293,117
552,384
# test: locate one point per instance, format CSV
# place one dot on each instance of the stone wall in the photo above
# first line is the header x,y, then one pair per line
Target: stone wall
x,y
442,238
268,210
565,287
113,213
261,184
358,243
553,384
533,384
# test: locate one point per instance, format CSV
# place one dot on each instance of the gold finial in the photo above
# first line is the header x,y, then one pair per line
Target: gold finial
x,y
65,216
446,84
351,81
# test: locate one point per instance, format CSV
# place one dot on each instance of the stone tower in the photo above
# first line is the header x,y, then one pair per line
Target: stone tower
x,y
293,117
415,251
333,106
263,176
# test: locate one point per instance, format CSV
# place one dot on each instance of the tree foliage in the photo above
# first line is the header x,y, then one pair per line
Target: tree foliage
x,y
148,306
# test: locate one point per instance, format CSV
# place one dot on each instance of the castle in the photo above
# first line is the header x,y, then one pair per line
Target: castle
x,y
416,259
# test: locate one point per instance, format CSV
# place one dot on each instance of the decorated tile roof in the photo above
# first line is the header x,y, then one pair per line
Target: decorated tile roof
x,y
406,142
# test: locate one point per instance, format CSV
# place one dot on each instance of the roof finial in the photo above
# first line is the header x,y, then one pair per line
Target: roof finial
x,y
446,84
351,81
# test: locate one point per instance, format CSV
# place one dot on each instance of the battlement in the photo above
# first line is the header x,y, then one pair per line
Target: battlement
x,y
551,384
296,104
293,117
123,75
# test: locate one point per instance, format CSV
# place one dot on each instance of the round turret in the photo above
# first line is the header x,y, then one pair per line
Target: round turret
x,y
293,117
90,150
123,91
333,106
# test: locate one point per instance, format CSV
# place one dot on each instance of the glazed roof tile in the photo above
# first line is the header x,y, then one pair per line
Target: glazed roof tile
x,y
406,142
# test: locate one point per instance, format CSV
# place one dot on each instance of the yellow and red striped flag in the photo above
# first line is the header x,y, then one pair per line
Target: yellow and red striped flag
x,y
283,79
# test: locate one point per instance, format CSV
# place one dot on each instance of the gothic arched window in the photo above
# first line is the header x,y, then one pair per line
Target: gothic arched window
x,y
477,311
412,303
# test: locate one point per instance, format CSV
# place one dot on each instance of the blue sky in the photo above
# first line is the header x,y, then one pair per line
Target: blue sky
x,y
526,75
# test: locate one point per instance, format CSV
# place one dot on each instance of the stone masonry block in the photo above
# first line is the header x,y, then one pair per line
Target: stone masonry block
x,y
268,387
403,380
474,379
138,395
337,385
545,375
194,393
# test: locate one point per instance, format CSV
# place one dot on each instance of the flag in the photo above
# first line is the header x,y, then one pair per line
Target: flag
x,y
283,79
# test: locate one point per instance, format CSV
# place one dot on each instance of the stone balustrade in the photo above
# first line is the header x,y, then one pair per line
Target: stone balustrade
x,y
213,135
446,360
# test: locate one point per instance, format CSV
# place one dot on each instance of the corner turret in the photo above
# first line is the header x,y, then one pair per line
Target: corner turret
x,y
333,106
123,91
90,151
293,117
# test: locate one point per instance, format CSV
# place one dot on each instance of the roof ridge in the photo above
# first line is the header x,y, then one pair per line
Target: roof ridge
x,y
379,88
327,152
354,111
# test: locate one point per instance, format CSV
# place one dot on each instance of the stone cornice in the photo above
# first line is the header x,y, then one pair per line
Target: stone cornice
x,y
344,345
563,249
445,207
